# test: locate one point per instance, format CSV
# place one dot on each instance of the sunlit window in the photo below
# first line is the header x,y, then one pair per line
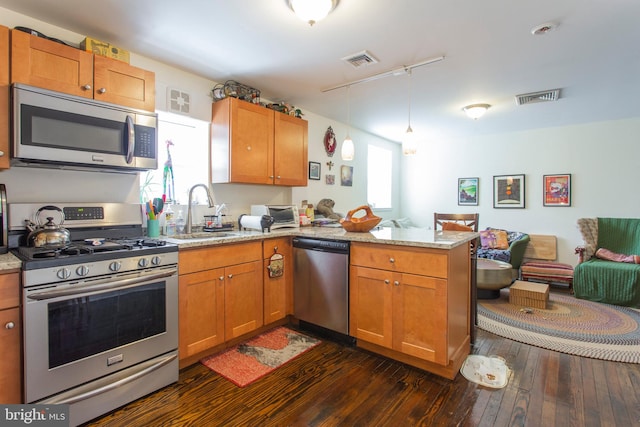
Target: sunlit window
x,y
379,177
183,159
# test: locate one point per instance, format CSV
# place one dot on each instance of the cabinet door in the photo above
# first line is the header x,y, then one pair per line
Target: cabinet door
x,y
43,63
4,97
277,290
10,369
120,83
420,317
243,299
201,311
290,152
370,303
251,153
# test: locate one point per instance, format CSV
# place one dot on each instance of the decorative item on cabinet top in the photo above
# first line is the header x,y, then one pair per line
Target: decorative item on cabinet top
x,y
232,88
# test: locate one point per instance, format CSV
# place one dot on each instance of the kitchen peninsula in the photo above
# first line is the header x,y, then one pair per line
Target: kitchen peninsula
x,y
410,293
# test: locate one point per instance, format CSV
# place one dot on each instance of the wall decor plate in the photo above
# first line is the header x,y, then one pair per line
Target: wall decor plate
x,y
330,141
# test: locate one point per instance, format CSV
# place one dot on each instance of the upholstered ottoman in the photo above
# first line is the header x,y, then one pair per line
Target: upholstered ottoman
x,y
547,272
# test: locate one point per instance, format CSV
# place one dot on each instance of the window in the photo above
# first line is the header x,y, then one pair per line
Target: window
x,y
379,177
189,149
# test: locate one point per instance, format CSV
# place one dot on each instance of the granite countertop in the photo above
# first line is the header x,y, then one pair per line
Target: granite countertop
x,y
9,262
417,237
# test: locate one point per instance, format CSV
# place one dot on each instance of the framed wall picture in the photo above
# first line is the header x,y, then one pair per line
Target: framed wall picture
x,y
468,191
330,179
314,170
557,190
508,191
346,176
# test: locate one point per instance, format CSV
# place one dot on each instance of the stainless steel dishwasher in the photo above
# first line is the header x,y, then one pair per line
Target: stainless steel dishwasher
x,y
321,284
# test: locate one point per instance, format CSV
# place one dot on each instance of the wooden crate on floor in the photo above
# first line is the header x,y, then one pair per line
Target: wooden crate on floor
x,y
529,294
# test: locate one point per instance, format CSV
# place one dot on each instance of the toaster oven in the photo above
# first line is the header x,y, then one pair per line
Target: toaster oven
x,y
283,215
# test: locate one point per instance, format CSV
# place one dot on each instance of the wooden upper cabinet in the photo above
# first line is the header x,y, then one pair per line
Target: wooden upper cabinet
x,y
252,144
4,97
291,150
43,63
120,83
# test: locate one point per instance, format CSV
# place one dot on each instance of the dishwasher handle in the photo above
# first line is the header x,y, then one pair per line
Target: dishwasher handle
x,y
322,245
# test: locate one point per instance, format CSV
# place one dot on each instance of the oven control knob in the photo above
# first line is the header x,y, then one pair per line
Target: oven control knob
x,y
156,260
115,266
63,273
83,270
143,262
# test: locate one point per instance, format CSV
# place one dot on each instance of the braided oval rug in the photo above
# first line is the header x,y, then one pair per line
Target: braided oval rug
x,y
568,325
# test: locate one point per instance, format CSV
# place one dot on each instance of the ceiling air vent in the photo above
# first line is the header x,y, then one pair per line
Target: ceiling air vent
x,y
543,96
360,59
178,101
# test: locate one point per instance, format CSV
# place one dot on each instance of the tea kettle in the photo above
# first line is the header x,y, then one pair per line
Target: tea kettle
x,y
49,235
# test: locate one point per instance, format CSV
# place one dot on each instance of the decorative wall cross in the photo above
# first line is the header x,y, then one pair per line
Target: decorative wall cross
x,y
330,164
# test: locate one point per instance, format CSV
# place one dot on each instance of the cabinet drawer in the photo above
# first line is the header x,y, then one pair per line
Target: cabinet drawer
x,y
405,259
9,290
193,260
272,246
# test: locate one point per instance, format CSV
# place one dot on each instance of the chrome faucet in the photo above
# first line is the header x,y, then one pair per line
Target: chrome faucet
x,y
187,227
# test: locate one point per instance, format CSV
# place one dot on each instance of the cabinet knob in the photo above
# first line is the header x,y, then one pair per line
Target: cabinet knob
x,y
278,177
392,260
10,325
248,148
1,153
230,276
86,87
396,283
221,278
386,281
270,176
102,90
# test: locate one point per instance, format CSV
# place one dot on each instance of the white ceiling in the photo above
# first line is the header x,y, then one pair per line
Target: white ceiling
x,y
490,55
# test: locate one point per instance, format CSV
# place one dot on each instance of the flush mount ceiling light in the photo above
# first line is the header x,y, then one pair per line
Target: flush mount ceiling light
x,y
475,111
312,11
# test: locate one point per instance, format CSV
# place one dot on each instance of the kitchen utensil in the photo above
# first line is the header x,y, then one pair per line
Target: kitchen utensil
x,y
49,235
361,224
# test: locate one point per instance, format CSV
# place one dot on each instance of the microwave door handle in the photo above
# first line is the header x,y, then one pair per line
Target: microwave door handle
x,y
131,139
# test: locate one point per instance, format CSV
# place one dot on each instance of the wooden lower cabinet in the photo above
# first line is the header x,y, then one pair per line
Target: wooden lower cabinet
x,y
278,291
220,294
412,304
10,339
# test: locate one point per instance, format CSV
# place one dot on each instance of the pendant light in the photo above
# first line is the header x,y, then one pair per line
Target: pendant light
x,y
409,146
348,149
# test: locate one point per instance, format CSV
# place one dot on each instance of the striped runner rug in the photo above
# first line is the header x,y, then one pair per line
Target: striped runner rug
x,y
567,325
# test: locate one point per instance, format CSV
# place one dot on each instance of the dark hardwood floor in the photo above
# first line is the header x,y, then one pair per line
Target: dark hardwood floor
x,y
334,385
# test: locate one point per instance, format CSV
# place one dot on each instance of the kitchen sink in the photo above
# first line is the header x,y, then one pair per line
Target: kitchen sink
x,y
204,235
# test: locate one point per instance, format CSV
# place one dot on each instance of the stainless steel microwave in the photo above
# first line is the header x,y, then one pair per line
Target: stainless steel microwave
x,y
283,215
53,129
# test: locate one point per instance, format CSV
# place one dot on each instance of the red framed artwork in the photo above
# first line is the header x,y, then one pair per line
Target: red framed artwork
x,y
557,190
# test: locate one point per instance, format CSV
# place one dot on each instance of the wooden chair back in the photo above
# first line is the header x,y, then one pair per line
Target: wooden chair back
x,y
470,220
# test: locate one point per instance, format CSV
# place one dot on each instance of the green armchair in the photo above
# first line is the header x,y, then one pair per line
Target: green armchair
x,y
603,280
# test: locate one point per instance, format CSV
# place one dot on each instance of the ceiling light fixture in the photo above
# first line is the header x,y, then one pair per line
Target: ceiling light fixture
x,y
312,11
475,111
409,146
348,149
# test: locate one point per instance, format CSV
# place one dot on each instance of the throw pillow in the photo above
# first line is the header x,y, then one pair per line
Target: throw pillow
x,y
494,239
608,255
454,226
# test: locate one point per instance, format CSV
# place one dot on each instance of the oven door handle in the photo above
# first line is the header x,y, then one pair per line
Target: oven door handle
x,y
86,392
101,285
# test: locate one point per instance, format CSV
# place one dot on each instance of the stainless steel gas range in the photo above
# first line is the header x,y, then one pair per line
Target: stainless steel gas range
x,y
100,314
